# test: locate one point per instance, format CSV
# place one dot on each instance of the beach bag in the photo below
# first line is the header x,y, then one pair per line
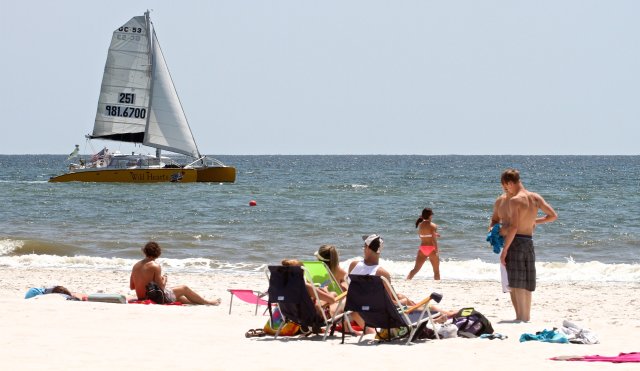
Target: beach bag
x,y
156,294
275,321
447,331
422,332
471,323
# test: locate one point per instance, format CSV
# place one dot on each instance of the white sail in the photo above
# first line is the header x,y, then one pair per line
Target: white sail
x,y
124,95
138,102
167,127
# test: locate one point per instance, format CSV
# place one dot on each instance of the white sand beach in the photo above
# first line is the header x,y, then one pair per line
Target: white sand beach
x,y
50,333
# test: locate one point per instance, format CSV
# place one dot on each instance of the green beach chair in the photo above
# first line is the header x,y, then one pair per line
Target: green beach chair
x,y
319,273
321,276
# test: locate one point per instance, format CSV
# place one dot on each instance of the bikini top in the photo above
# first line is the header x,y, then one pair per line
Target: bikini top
x,y
425,235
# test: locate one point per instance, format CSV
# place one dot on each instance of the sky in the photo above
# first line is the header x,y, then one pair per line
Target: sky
x,y
468,77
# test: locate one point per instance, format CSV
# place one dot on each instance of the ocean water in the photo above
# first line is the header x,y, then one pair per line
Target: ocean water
x,y
306,201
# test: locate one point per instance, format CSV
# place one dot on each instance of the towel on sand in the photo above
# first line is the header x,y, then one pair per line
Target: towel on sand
x,y
147,302
547,336
621,358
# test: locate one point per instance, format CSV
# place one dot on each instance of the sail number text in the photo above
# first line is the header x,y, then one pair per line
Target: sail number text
x,y
120,111
134,30
130,29
127,98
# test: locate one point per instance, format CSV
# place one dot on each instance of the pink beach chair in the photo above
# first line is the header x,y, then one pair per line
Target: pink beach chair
x,y
248,296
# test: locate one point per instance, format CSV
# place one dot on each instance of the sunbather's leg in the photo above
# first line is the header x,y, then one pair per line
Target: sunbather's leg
x,y
356,317
187,296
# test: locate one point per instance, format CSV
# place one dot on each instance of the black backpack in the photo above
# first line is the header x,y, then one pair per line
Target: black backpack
x,y
471,323
156,294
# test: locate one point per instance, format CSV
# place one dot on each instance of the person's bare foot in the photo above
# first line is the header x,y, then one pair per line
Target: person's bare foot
x,y
214,302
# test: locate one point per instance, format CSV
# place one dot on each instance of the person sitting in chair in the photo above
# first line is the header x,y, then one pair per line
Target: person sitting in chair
x,y
327,298
373,245
329,255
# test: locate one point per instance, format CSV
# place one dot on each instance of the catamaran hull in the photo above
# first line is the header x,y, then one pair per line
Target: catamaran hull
x,y
226,174
130,176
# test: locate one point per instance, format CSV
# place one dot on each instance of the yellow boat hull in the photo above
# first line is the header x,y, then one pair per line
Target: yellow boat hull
x,y
130,176
226,174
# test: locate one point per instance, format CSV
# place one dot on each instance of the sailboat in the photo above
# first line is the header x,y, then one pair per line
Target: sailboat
x,y
139,104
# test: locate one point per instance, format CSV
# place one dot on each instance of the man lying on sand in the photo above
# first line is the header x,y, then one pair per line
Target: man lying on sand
x,y
148,270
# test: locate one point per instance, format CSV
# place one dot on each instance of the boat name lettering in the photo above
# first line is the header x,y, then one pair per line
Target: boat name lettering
x,y
137,177
130,29
119,111
127,98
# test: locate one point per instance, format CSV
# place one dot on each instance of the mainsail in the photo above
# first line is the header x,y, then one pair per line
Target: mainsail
x,y
138,102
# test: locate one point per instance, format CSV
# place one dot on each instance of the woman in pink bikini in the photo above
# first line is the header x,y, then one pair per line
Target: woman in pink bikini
x,y
427,231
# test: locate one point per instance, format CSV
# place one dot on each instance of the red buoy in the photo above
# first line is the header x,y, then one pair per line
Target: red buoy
x,y
252,203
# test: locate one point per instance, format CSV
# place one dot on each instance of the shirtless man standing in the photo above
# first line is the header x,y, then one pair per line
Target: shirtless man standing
x,y
518,212
148,270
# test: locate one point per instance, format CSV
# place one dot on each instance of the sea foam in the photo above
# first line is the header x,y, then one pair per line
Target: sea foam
x,y
465,270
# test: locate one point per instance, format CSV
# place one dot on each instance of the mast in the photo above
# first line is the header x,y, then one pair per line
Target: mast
x,y
152,71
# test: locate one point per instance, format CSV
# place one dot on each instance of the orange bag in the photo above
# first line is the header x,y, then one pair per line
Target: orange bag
x,y
289,328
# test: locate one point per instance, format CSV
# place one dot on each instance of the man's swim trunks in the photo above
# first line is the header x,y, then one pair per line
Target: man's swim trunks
x,y
521,263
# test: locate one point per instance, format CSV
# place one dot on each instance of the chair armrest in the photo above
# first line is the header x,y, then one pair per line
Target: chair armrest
x,y
339,297
418,305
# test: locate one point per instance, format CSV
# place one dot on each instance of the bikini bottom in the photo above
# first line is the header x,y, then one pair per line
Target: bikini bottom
x,y
427,250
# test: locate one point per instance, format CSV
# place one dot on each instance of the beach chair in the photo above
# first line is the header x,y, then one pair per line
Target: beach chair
x,y
288,290
248,296
321,276
319,273
369,296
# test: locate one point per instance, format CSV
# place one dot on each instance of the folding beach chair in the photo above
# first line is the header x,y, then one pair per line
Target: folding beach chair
x,y
369,296
319,273
248,296
321,276
288,290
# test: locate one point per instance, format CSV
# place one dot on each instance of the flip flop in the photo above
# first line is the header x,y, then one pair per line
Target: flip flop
x,y
495,335
255,333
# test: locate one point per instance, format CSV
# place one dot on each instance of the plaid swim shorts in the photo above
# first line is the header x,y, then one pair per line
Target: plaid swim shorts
x,y
521,263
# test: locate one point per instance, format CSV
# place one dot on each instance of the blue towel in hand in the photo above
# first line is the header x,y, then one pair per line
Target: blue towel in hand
x,y
495,239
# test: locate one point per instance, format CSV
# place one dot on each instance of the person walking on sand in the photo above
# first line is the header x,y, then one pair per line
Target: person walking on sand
x,y
148,270
427,231
518,255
